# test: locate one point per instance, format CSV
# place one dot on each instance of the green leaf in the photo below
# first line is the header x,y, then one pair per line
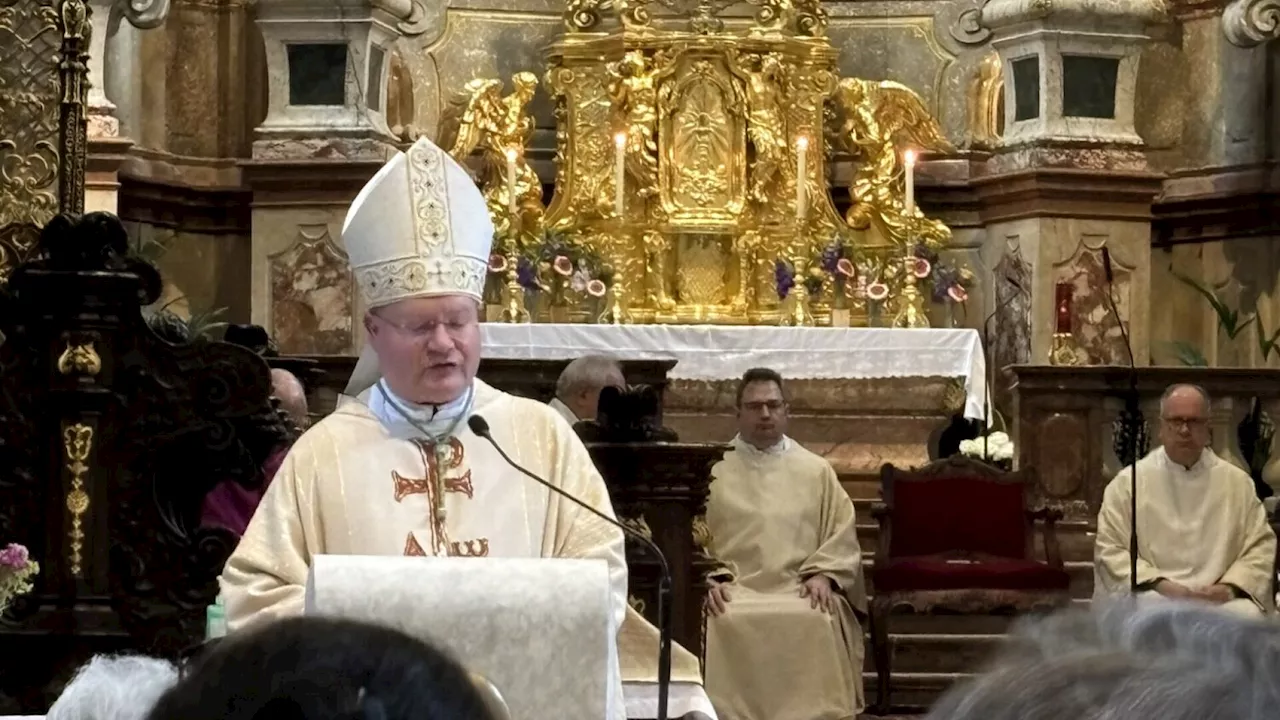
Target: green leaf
x,y
1228,318
1189,354
1267,343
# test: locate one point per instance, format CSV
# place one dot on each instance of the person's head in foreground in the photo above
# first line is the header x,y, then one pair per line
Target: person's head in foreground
x,y
582,380
1184,423
762,408
323,669
1128,661
123,687
418,238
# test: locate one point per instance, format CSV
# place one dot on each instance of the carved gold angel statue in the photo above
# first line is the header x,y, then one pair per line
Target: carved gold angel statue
x,y
480,118
879,121
765,127
635,95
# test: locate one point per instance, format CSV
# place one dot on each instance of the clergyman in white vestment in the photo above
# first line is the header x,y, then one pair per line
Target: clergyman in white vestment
x,y
579,385
1203,534
395,469
784,641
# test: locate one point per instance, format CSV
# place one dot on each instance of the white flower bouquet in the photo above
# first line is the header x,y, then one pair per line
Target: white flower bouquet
x,y
995,448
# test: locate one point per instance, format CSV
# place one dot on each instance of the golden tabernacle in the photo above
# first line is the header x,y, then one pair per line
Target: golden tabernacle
x,y
692,180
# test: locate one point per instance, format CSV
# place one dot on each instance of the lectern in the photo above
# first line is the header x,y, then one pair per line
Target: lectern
x,y
541,629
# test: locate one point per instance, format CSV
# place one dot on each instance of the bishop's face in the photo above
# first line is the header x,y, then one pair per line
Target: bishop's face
x,y
428,348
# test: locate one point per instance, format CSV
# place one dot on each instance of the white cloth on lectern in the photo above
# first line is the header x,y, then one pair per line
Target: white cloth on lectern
x,y
541,630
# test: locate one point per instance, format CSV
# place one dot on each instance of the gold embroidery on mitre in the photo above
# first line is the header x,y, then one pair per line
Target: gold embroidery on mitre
x,y
470,548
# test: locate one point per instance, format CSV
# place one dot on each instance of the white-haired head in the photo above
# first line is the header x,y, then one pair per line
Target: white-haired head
x,y
123,687
582,380
1167,660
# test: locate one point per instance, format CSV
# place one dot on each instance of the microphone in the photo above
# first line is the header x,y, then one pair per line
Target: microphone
x,y
1133,411
480,427
991,370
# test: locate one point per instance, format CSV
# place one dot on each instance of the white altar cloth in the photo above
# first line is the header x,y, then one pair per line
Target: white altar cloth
x,y
723,352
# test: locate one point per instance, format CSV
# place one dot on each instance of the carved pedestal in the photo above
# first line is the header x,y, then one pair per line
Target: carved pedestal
x,y
109,439
661,489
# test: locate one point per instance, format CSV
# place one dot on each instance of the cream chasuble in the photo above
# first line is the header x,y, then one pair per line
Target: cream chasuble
x,y
1197,527
362,481
776,518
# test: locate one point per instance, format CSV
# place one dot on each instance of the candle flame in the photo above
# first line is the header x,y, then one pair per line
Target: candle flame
x,y
910,157
802,142
511,154
620,139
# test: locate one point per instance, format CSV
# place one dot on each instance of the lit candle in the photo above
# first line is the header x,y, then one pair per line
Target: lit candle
x,y
802,176
511,180
619,172
910,202
1063,295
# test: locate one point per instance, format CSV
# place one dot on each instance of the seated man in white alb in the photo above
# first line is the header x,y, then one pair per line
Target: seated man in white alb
x,y
784,641
578,388
1202,532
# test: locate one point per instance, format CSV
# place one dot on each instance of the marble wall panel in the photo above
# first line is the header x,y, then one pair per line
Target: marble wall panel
x,y
202,272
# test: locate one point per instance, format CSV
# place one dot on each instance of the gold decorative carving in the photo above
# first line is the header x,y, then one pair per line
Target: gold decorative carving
x,y
636,603
702,534
691,170
880,119
639,524
986,102
77,441
81,359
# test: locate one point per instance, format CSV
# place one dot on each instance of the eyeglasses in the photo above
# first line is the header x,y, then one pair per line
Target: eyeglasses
x,y
1178,423
772,406
455,327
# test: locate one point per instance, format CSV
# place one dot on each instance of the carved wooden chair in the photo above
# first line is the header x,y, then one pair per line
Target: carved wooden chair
x,y
956,536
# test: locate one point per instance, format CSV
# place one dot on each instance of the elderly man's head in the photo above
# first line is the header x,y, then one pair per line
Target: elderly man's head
x,y
114,688
428,347
1127,660
286,388
580,384
1184,423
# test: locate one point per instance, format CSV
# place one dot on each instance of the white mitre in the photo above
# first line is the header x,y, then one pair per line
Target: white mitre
x,y
419,228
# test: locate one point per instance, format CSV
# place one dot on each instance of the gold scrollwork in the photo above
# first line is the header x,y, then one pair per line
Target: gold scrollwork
x,y
639,524
636,603
77,442
702,533
79,359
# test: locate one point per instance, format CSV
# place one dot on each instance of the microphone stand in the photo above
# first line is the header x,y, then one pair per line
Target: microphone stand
x,y
480,427
991,371
1133,413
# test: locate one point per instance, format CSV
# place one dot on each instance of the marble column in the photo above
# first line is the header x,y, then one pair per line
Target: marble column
x,y
325,134
106,147
1069,178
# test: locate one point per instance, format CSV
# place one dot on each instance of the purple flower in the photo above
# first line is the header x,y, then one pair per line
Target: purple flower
x,y
14,556
783,278
526,275
922,251
943,278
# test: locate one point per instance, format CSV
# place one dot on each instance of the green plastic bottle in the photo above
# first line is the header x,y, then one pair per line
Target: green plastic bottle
x,y
215,620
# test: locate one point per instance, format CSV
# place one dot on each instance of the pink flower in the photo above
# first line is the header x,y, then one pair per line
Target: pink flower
x,y
497,263
877,291
921,268
595,288
14,556
563,265
957,293
844,266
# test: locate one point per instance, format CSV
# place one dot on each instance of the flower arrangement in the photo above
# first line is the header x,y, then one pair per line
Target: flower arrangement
x,y
995,448
16,570
559,267
949,283
784,278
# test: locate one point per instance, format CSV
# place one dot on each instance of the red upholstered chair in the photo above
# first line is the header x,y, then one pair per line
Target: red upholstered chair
x,y
957,537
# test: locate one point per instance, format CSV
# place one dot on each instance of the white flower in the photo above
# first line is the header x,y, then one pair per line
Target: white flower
x,y
972,448
996,446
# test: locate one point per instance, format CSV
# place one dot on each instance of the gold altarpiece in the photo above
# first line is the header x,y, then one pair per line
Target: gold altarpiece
x,y
681,138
